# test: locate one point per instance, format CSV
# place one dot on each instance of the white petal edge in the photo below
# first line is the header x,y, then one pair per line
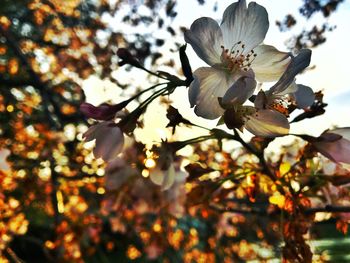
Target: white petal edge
x,y
206,39
248,25
297,65
270,63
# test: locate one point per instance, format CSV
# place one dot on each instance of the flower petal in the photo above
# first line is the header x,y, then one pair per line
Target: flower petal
x,y
304,96
338,151
164,178
102,112
260,100
109,141
248,25
344,132
267,123
4,165
208,85
89,135
157,176
205,37
297,64
240,91
169,178
293,87
270,63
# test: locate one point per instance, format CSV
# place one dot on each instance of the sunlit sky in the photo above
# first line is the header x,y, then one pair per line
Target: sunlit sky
x,y
331,73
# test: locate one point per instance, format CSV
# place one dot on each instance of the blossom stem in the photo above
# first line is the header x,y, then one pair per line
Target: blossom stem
x,y
153,97
266,169
235,177
199,126
152,73
181,144
198,139
148,89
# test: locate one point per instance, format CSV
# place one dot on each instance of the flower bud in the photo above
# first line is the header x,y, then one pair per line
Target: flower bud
x,y
127,58
185,64
102,112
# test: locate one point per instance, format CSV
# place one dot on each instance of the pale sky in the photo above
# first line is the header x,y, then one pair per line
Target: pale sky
x,y
330,75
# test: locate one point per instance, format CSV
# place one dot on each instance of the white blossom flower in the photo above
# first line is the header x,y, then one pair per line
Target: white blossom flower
x,y
109,140
234,53
269,117
286,90
260,122
164,172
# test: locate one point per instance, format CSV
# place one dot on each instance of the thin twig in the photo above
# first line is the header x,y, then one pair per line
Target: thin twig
x,y
260,155
13,255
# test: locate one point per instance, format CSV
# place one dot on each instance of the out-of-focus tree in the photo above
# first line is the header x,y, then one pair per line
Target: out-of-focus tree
x,y
316,35
48,48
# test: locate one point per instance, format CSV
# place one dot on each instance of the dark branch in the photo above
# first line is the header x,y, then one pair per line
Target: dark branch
x,y
15,82
264,212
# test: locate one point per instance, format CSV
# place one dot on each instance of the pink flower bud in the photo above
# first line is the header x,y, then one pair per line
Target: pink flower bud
x,y
102,112
127,58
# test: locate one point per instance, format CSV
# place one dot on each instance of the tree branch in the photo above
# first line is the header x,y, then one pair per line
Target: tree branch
x,y
42,87
15,82
260,155
35,81
263,212
328,208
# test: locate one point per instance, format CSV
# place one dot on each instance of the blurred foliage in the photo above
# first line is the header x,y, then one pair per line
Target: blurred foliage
x,y
316,35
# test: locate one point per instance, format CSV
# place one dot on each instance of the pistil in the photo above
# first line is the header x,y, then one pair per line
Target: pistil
x,y
234,59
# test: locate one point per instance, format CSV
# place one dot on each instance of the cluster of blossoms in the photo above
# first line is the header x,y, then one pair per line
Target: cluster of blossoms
x,y
237,60
227,89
